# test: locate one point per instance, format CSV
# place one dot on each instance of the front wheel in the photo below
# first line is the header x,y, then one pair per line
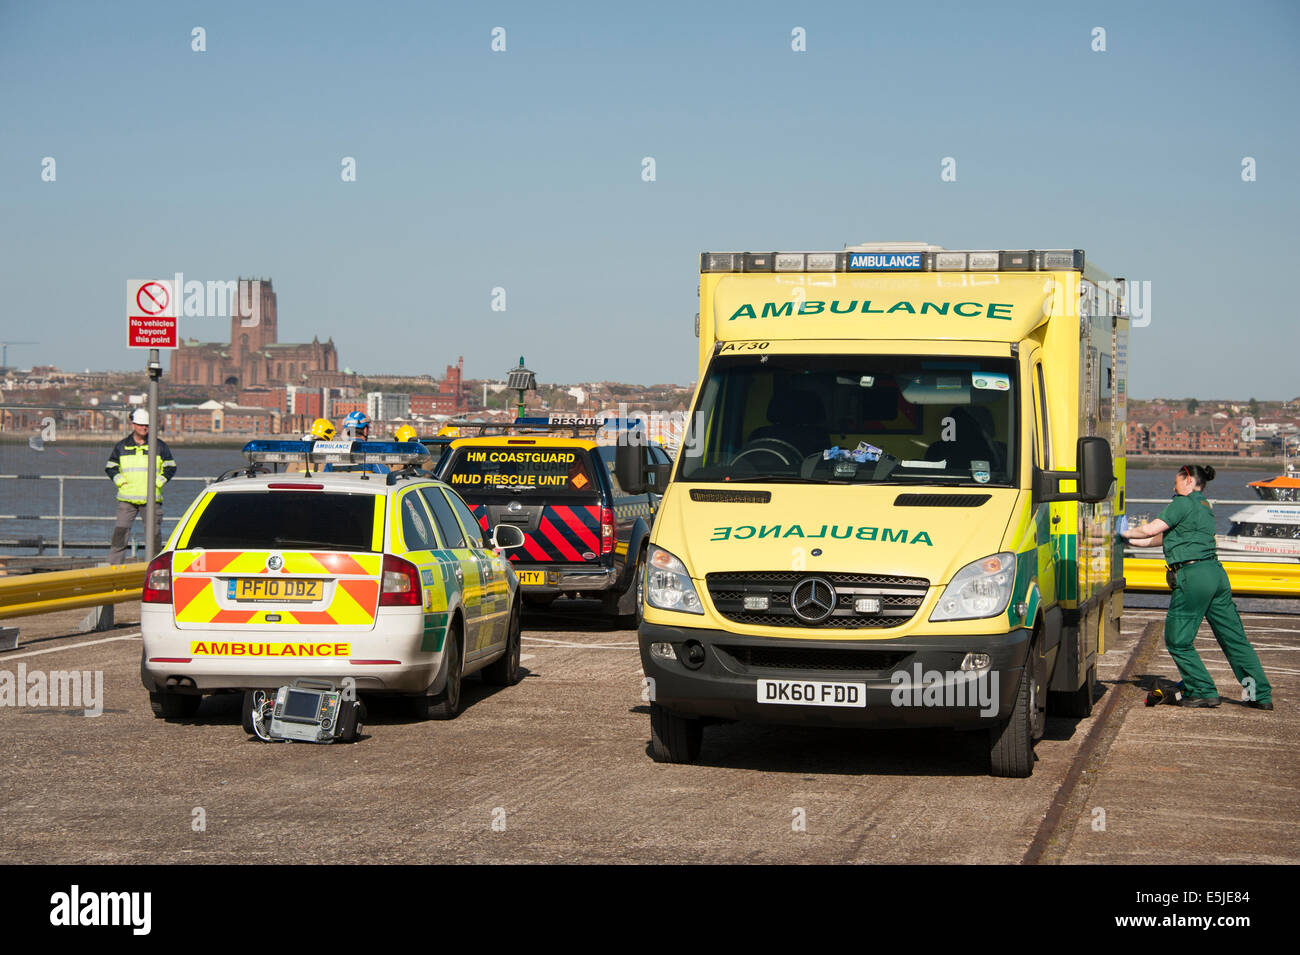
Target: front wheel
x,y
1011,745
636,590
673,738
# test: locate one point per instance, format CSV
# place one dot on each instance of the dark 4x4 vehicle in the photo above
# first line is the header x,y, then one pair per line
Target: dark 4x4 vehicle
x,y
583,535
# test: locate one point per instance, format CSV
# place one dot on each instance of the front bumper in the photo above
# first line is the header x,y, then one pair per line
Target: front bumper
x,y
909,682
567,579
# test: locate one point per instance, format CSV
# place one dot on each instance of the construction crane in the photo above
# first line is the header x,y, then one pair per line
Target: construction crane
x,y
4,351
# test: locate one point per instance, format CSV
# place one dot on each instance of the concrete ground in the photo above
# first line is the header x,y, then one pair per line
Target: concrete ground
x,y
556,769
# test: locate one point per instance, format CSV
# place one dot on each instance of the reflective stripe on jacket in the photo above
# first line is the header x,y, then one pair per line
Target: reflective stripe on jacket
x,y
127,466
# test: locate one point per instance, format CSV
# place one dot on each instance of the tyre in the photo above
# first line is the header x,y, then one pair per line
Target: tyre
x,y
1078,704
446,705
635,590
673,738
639,614
505,671
1011,745
246,713
1038,694
174,706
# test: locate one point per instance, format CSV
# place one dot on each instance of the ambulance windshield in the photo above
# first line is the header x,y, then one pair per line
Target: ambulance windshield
x,y
906,419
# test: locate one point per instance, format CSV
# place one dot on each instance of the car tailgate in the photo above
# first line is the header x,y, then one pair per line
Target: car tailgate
x,y
217,589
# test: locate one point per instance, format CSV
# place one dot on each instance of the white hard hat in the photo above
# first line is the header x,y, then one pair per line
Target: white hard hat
x,y
140,416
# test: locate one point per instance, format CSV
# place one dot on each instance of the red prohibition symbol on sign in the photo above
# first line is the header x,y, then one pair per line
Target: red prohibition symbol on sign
x,y
152,298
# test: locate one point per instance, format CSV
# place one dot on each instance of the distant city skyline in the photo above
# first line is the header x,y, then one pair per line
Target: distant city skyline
x,y
423,182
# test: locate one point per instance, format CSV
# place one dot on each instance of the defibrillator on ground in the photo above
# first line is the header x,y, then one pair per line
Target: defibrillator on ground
x,y
306,711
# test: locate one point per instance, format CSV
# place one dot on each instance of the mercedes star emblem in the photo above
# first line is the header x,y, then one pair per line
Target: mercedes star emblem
x,y
812,599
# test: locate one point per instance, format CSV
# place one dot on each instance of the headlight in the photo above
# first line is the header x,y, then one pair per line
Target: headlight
x,y
981,589
668,586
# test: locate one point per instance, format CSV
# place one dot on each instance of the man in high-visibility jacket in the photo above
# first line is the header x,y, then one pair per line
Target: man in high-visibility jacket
x,y
127,466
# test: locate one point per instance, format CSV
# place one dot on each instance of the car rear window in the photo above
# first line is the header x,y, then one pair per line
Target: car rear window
x,y
268,520
526,471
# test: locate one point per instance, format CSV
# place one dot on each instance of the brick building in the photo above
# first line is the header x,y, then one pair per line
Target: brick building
x,y
1185,434
255,355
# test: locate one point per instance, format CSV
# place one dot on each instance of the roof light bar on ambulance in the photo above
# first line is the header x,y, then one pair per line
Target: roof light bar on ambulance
x,y
907,260
391,453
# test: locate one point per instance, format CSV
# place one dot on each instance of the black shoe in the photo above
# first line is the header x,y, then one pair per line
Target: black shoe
x,y
1202,702
1257,705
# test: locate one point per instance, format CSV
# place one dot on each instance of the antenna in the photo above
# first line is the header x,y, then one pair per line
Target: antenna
x,y
4,351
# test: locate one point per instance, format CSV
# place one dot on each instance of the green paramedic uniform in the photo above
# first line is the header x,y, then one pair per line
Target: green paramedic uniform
x,y
1203,592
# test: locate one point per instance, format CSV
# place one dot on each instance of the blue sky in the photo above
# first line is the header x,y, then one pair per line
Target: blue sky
x,y
522,169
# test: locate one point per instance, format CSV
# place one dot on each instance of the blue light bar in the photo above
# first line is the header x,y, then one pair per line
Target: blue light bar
x,y
335,452
276,452
386,452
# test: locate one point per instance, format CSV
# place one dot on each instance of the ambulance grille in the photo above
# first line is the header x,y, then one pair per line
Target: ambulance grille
x,y
797,658
900,598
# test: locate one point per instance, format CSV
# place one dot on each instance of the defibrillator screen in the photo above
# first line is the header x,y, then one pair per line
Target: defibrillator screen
x,y
301,706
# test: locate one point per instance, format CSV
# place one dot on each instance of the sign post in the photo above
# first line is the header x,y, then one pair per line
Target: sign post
x,y
151,528
151,324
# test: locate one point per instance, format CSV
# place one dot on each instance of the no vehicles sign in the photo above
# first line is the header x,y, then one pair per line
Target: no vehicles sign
x,y
150,314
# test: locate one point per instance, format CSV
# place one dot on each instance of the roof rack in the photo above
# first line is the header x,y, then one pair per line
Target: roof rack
x,y
575,424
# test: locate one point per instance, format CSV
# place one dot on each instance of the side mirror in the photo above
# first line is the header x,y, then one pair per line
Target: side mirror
x,y
630,464
1096,469
507,537
1094,478
658,475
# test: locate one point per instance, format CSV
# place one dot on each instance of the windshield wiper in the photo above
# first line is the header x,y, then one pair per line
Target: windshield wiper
x,y
772,479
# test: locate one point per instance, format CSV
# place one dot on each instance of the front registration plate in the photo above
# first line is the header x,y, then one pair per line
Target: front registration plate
x,y
812,693
534,578
275,589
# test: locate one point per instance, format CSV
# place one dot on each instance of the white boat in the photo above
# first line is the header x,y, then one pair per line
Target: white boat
x,y
1270,529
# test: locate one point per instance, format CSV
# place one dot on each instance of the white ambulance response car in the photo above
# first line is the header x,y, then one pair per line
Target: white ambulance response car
x,y
384,579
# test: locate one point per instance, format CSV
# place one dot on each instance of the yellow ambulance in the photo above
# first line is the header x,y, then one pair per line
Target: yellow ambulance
x,y
897,503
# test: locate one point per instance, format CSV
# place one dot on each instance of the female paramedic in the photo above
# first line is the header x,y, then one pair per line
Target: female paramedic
x,y
1200,590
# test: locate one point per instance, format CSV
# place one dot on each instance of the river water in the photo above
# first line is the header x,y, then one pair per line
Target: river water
x,y
88,493
95,496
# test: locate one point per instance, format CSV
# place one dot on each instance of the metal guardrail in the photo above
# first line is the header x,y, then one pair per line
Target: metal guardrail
x,y
1279,578
39,542
1212,501
29,594
1248,578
